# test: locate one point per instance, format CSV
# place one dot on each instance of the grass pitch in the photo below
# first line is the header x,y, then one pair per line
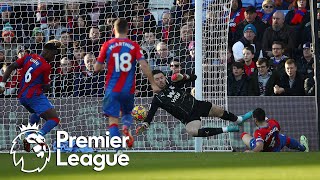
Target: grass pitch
x,y
233,166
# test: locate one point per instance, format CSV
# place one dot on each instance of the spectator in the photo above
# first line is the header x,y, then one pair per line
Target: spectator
x,y
78,55
42,12
281,4
236,16
72,11
94,41
7,19
62,83
37,40
86,82
251,17
263,80
162,58
168,31
136,29
298,17
238,81
53,29
279,32
189,64
277,61
291,83
249,64
309,85
140,8
305,63
226,57
149,44
267,11
248,39
107,27
81,28
9,43
181,7
97,13
181,46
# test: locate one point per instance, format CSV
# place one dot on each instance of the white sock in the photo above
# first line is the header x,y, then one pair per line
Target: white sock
x,y
239,120
224,129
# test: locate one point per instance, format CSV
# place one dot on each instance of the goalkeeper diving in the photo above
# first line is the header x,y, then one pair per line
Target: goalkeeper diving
x,y
183,106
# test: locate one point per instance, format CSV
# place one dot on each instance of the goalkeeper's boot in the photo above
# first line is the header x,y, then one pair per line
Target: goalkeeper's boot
x,y
127,133
304,142
245,117
233,128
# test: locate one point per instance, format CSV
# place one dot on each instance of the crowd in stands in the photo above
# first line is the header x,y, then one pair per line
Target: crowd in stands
x,y
269,43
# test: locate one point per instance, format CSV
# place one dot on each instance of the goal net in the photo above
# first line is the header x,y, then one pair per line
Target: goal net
x,y
166,34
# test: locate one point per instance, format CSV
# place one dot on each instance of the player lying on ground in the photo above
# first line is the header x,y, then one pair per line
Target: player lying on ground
x,y
121,56
267,138
186,108
34,80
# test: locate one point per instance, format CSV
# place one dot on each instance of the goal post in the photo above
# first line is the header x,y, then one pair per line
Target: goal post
x,y
79,21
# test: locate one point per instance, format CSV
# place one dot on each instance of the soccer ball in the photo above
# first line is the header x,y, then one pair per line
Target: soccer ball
x,y
139,113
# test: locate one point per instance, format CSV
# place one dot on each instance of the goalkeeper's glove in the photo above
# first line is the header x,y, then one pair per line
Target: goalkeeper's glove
x,y
178,77
142,128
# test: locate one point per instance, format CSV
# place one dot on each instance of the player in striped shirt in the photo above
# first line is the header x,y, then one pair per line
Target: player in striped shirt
x,y
34,80
121,56
267,138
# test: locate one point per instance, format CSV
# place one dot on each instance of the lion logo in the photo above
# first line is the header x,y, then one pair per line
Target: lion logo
x,y
39,148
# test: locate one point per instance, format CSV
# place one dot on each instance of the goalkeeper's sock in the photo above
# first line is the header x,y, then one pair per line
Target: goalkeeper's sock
x,y
294,144
127,120
50,124
229,116
205,132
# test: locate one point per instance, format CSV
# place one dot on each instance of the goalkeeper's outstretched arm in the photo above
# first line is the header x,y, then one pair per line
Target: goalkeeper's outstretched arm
x,y
179,79
152,111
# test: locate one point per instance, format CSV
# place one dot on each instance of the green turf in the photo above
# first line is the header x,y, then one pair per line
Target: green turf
x,y
233,166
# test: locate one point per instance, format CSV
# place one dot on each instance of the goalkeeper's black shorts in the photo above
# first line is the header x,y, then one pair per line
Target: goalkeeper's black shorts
x,y
201,109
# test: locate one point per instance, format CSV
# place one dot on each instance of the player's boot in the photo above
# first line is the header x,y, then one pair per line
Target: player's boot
x,y
130,141
304,142
245,117
119,152
233,128
26,145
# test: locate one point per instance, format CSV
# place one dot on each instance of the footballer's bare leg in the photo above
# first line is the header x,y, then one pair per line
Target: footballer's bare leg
x,y
194,129
246,138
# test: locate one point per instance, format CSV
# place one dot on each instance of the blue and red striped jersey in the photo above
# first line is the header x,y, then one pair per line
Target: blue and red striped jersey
x,y
121,56
35,72
269,135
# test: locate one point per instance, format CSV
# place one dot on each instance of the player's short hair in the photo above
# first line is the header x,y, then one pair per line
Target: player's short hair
x,y
121,25
55,45
157,71
291,61
259,114
263,60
